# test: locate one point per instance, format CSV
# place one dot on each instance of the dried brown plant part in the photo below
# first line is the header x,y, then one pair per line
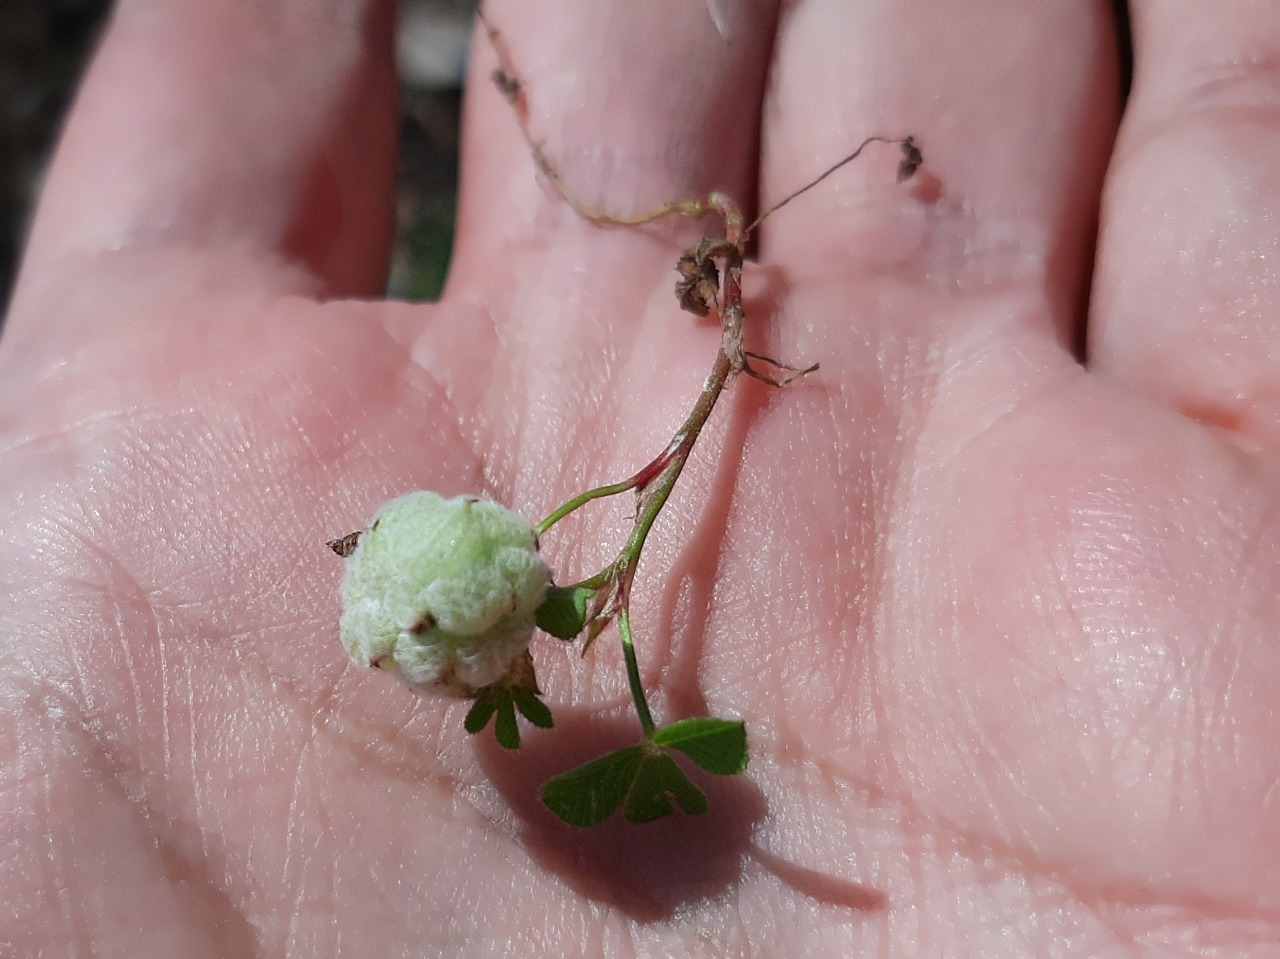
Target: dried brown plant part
x,y
908,166
507,80
756,373
699,282
344,546
508,86
912,160
710,272
710,283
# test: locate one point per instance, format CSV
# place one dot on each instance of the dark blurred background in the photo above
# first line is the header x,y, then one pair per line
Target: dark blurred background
x,y
45,46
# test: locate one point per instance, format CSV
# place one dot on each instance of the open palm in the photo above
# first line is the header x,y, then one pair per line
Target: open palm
x,y
1003,627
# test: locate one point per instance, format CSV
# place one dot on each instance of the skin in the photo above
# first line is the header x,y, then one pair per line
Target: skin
x,y
994,590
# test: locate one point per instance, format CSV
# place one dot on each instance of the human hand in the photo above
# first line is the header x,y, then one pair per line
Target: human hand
x,y
1002,627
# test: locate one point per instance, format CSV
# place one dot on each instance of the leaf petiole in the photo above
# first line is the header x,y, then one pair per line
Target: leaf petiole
x,y
633,673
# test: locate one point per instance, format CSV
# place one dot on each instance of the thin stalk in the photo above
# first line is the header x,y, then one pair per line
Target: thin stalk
x,y
633,674
582,499
656,480
637,481
665,468
682,444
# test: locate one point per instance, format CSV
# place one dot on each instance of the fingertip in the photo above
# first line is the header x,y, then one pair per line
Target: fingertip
x,y
636,105
233,125
1013,106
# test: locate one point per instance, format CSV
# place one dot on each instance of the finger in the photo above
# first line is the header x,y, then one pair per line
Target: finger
x,y
1013,105
636,105
1187,296
235,126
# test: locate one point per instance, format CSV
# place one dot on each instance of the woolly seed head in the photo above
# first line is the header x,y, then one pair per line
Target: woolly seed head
x,y
443,592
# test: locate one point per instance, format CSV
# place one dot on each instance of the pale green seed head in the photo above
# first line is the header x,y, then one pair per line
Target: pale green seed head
x,y
443,593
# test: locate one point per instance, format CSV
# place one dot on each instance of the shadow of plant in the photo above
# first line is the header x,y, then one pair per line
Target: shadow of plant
x,y
646,871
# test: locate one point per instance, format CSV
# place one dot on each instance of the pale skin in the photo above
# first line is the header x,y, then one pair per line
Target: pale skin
x,y
994,590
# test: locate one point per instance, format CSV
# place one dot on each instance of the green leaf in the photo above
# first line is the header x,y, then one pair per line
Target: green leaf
x,y
505,727
564,611
532,708
643,782
657,781
590,794
481,711
716,745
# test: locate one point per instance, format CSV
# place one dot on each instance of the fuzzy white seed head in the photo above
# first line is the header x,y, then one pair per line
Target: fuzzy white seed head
x,y
443,592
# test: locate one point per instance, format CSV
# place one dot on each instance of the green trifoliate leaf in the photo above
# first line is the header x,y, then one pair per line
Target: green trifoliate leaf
x,y
642,780
590,794
563,612
657,782
716,745
532,708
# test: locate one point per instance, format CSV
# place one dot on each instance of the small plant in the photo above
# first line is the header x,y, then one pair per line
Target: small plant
x,y
447,593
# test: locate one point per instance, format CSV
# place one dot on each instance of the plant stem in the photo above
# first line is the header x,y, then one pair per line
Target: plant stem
x,y
582,499
652,499
633,673
654,482
639,480
665,469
